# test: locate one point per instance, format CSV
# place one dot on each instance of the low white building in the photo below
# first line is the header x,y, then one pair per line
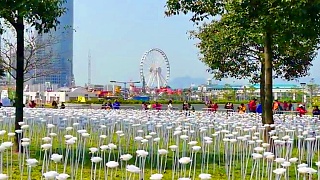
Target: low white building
x,y
61,95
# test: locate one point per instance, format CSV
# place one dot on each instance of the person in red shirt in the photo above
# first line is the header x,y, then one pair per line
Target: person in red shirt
x,y
214,107
32,104
157,106
253,105
301,110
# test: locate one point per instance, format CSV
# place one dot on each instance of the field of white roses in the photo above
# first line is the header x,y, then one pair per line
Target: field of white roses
x,y
135,145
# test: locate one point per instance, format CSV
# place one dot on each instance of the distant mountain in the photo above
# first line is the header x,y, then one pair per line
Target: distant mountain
x,y
185,82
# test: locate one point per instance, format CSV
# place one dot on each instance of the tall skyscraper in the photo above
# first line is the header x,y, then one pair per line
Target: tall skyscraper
x,y
62,61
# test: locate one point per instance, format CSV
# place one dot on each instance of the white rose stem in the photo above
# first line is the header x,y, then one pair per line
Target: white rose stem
x,y
66,159
43,162
173,164
194,166
191,163
83,152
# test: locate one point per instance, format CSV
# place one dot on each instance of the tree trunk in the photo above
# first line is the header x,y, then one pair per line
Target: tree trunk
x,y
268,78
19,27
262,91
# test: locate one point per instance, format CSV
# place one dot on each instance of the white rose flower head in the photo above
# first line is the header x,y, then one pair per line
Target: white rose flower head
x,y
18,131
32,162
25,139
46,146
25,126
69,128
279,171
173,147
280,160
112,146
142,153
125,157
193,143
205,176
103,136
46,139
293,160
185,160
53,134
56,157
11,134
7,144
184,137
2,132
85,135
51,175
162,151
286,164
62,176
93,150
112,164
156,177
104,147
196,148
258,149
68,136
257,156
3,177
133,169
24,144
96,159
50,126
70,141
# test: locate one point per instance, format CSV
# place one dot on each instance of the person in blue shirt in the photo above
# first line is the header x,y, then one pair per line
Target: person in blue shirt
x,y
116,104
316,111
259,108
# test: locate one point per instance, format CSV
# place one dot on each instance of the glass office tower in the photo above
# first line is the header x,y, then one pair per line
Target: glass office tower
x,y
62,62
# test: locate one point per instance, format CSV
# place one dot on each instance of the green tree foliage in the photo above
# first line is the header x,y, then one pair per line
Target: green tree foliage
x,y
43,16
229,94
251,91
281,34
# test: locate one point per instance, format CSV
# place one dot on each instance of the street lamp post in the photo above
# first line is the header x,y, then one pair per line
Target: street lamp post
x,y
303,90
125,86
311,88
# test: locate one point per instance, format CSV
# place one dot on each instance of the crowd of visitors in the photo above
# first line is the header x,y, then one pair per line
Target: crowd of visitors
x,y
109,105
252,107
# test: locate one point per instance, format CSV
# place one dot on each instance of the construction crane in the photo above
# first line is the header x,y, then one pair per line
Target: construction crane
x,y
89,70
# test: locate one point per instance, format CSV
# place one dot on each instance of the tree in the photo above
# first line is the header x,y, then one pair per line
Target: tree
x,y
229,93
2,69
296,94
251,91
312,87
39,55
43,16
254,39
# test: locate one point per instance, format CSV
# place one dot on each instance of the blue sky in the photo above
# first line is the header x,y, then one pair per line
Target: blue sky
x,y
119,32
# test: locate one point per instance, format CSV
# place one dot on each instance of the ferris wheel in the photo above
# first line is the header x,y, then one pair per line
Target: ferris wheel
x,y
154,69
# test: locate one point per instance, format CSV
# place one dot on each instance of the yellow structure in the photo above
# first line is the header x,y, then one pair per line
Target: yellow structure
x,y
81,99
118,89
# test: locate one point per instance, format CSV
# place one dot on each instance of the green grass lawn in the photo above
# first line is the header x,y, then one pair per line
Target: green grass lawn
x,y
217,171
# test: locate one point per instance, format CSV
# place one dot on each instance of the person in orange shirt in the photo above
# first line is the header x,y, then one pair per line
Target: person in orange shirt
x,y
275,106
241,109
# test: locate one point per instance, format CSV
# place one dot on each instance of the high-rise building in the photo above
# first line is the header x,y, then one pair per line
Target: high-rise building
x,y
62,61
